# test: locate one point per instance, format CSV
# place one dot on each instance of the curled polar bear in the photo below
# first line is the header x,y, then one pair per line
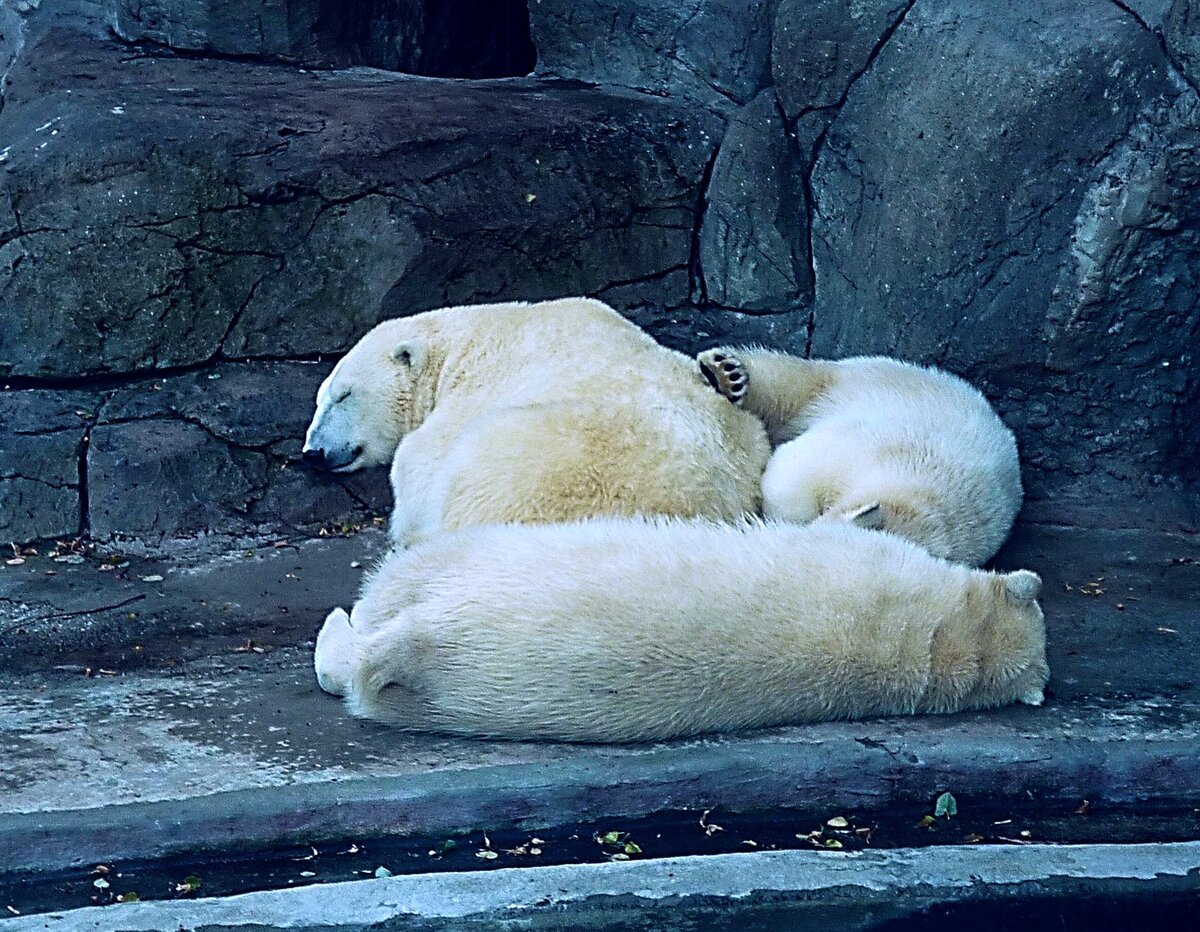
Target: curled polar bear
x,y
534,413
628,630
887,444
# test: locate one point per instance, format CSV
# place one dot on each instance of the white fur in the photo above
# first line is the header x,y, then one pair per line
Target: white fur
x,y
620,630
913,450
535,413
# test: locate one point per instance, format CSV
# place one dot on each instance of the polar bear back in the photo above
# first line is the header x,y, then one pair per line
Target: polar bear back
x,y
623,630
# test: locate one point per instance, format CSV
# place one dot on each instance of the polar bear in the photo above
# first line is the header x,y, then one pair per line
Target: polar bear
x,y
534,413
887,444
646,629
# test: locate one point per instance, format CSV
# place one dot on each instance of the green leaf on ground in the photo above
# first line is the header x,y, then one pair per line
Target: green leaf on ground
x,y
946,805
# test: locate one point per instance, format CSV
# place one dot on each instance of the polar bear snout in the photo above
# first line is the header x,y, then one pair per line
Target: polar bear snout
x,y
338,459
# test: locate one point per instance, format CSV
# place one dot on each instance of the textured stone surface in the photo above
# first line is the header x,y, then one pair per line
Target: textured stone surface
x,y
1009,191
1025,220
218,449
754,235
716,52
1181,29
466,38
818,48
288,212
41,444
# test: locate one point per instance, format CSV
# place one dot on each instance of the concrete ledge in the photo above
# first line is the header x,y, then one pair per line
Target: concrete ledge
x,y
570,895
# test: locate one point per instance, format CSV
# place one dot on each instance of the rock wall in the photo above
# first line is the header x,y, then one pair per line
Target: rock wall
x,y
203,203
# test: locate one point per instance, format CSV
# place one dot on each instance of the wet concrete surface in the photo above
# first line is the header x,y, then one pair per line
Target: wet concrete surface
x,y
190,717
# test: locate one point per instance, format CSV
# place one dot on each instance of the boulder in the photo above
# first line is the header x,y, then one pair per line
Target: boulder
x,y
716,52
754,234
1011,195
164,212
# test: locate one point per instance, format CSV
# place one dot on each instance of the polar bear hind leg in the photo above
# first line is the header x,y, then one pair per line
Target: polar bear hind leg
x,y
725,372
336,655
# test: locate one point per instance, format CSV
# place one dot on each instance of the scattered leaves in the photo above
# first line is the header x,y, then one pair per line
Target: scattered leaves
x,y
189,884
833,843
620,840
130,897
251,648
710,828
487,854
1084,808
100,883
153,577
946,805
308,873
838,822
381,872
926,821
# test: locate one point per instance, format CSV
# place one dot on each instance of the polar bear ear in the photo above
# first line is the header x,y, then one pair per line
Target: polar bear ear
x,y
1023,586
410,354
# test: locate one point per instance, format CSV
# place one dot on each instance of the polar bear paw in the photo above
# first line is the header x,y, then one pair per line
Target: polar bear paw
x,y
725,372
336,655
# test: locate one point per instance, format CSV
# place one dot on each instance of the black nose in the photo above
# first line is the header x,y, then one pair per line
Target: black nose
x,y
315,457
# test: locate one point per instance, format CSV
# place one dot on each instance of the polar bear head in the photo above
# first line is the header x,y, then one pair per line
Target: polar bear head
x,y
991,650
372,398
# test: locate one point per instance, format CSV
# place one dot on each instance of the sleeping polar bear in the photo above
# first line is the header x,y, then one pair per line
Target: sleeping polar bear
x,y
632,630
884,443
534,413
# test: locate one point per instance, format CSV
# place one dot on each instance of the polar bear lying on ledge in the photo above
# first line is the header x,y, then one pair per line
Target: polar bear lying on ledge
x,y
534,413
883,443
631,630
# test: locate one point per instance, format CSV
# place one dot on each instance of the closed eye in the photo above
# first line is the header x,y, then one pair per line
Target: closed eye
x,y
342,397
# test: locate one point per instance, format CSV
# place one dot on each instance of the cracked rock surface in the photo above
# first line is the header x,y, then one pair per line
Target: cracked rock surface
x,y
190,190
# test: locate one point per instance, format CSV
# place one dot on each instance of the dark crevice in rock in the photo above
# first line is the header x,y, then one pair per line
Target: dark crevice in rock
x,y
85,514
641,279
850,85
698,289
116,380
465,39
806,180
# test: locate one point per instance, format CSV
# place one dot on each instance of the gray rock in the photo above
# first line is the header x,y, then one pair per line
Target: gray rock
x,y
714,51
1181,30
467,38
819,46
217,450
1009,193
754,235
41,442
153,221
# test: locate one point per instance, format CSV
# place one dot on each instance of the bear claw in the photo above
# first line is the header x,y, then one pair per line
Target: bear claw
x,y
726,373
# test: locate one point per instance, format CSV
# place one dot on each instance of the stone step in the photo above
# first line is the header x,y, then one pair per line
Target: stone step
x,y
783,889
193,743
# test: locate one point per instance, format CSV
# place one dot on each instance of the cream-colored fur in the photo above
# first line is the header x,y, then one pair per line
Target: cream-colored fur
x,y
535,413
632,629
884,443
